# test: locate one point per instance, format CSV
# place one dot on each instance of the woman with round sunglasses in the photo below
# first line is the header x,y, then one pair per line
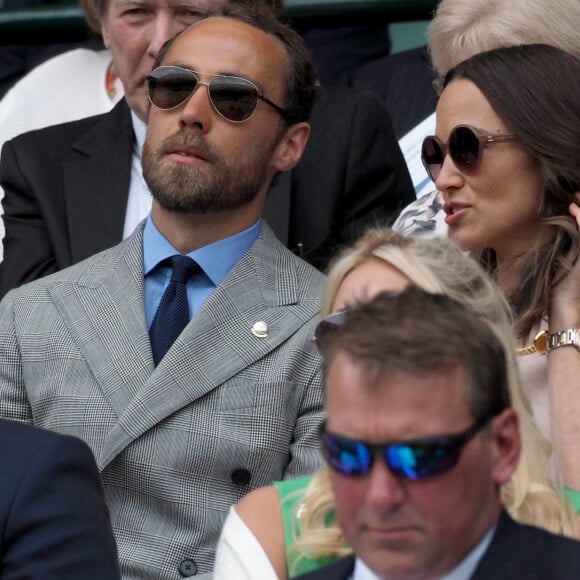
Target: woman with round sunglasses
x,y
289,528
505,155
461,28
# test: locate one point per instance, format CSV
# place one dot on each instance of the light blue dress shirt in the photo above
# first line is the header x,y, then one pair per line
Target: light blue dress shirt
x,y
216,260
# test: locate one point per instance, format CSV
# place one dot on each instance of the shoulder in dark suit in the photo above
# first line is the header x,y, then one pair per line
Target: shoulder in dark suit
x,y
351,175
66,186
404,82
516,551
53,519
66,190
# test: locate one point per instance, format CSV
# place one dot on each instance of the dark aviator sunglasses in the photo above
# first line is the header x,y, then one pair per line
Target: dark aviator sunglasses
x,y
465,145
413,459
233,98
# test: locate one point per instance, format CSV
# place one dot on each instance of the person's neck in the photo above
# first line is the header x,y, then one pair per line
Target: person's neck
x,y
504,274
189,232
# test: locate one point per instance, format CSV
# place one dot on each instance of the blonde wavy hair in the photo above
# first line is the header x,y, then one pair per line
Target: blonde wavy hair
x,y
438,266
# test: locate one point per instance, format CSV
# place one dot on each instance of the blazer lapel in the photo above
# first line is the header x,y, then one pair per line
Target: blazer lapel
x,y
110,330
96,179
219,343
505,557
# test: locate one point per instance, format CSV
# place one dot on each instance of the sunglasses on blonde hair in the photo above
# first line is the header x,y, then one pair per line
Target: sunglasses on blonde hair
x,y
328,325
233,98
465,146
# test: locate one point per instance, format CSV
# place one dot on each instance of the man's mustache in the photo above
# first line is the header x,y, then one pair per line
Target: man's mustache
x,y
192,141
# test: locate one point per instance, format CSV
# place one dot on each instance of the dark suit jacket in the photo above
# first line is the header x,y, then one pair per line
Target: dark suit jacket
x,y
404,82
53,519
66,186
516,552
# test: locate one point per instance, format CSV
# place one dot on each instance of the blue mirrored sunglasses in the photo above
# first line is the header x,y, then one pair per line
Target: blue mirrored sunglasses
x,y
413,459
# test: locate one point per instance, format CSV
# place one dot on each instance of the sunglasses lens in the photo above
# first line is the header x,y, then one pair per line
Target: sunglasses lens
x,y
327,326
235,99
348,457
169,87
416,461
465,148
432,155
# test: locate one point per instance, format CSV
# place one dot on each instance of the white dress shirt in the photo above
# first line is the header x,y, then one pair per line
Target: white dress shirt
x,y
139,201
463,571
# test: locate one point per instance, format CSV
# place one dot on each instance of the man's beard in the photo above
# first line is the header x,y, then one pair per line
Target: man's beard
x,y
217,187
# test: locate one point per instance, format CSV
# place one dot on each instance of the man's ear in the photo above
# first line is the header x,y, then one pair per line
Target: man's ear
x,y
505,431
105,36
291,146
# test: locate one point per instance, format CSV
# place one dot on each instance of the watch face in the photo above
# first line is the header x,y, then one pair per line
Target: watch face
x,y
541,341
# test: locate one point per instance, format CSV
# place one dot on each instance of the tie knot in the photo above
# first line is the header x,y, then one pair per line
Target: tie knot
x,y
183,268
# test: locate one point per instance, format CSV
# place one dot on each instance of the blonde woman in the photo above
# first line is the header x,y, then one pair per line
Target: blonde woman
x,y
288,529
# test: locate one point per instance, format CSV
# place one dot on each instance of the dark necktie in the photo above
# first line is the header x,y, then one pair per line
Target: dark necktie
x,y
172,315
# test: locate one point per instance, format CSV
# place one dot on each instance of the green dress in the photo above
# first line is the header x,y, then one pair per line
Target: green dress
x,y
291,495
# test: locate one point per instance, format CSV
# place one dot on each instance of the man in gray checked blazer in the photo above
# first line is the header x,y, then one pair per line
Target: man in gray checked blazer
x,y
236,400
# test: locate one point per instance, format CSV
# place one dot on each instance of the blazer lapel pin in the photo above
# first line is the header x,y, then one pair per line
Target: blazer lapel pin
x,y
260,329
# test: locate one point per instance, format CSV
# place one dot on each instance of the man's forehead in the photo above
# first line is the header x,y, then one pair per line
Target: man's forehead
x,y
226,37
193,5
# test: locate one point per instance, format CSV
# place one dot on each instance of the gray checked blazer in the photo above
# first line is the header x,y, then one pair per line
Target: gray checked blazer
x,y
223,413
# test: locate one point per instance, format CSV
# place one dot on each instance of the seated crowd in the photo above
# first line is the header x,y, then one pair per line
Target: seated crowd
x,y
199,281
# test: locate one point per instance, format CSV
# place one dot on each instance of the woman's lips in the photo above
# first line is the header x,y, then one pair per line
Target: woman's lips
x,y
454,211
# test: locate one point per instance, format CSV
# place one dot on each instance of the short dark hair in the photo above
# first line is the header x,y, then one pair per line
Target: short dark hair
x,y
301,79
417,332
274,5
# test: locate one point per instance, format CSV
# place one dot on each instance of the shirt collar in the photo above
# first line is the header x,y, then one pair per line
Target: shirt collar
x,y
215,259
463,571
140,131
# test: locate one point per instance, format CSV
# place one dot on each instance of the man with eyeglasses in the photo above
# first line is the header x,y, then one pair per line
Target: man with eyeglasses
x,y
419,438
183,356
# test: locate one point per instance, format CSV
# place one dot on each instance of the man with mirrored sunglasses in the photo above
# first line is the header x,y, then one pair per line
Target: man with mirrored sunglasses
x,y
183,355
419,438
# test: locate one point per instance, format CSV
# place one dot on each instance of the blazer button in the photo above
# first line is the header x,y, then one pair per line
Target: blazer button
x,y
241,476
188,568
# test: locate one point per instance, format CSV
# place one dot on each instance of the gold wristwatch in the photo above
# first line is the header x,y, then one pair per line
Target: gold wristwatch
x,y
568,337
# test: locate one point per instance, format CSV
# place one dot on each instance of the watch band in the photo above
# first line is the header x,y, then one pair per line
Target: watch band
x,y
567,337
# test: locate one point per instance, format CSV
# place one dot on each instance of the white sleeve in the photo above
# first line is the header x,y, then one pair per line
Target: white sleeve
x,y
239,555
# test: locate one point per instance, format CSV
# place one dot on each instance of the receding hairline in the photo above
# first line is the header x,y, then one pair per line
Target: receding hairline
x,y
243,24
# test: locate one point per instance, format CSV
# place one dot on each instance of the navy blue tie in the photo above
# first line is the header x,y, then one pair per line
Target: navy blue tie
x,y
172,315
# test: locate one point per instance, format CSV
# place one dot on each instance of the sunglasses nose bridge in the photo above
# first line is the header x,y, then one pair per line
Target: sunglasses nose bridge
x,y
186,104
385,489
448,175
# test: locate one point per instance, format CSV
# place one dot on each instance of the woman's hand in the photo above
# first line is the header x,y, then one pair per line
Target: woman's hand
x,y
565,302
574,208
